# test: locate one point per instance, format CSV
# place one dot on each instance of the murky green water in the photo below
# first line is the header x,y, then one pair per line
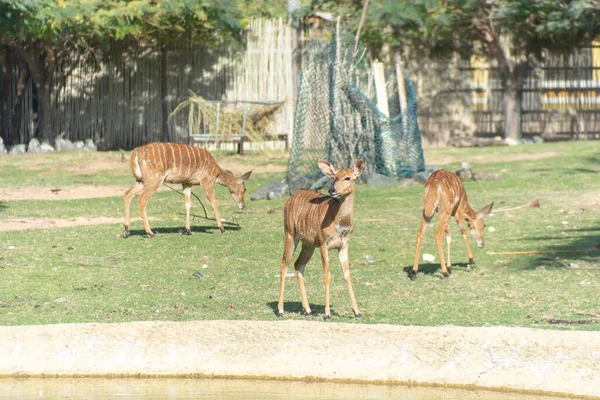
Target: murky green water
x,y
88,388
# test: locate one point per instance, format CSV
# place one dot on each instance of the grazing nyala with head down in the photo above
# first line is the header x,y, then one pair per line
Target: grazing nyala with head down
x,y
156,163
445,193
322,222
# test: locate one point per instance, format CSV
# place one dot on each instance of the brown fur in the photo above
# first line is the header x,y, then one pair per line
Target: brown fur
x,y
322,222
156,163
445,193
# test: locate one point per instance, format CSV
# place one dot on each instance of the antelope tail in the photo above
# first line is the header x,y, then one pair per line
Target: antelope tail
x,y
135,165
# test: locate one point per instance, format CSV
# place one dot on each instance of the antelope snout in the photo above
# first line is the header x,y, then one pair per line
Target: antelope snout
x,y
480,243
332,192
241,206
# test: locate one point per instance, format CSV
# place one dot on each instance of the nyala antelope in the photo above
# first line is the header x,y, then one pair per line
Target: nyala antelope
x,y
445,193
156,163
322,222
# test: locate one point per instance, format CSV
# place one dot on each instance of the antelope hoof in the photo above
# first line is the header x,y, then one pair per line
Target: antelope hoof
x,y
327,317
187,232
307,313
471,265
357,315
126,232
222,229
280,314
151,234
449,271
413,277
445,274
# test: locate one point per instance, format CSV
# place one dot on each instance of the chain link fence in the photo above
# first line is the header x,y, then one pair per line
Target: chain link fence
x,y
337,122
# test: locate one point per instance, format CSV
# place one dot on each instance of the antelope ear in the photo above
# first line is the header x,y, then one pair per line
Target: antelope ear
x,y
358,168
244,177
485,211
327,168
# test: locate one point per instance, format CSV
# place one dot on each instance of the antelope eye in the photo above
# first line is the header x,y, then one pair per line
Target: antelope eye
x,y
347,178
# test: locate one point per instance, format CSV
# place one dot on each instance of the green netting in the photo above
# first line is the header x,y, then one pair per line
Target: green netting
x,y
337,122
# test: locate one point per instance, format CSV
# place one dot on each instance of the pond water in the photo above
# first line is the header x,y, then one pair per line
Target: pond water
x,y
132,388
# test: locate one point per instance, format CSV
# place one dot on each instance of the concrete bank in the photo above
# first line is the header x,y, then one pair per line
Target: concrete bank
x,y
520,359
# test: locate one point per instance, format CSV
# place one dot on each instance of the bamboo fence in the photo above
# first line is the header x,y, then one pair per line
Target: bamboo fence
x,y
117,100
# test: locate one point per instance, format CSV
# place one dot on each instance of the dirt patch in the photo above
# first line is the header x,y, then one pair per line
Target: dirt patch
x,y
487,158
81,163
63,193
539,361
23,224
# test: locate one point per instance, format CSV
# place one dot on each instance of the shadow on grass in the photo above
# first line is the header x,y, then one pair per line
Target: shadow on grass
x,y
295,307
431,269
583,247
3,205
179,231
593,230
565,171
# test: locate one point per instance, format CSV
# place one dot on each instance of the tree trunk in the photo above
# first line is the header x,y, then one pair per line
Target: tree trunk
x,y
514,67
512,111
40,60
45,132
513,80
16,116
5,95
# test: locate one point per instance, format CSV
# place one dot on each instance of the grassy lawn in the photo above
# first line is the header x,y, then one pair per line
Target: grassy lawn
x,y
91,274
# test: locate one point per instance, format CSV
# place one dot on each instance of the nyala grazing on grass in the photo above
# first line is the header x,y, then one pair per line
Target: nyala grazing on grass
x,y
445,193
156,163
321,222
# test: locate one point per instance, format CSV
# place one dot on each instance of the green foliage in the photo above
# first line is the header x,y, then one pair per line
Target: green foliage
x,y
204,20
450,24
198,20
531,25
90,274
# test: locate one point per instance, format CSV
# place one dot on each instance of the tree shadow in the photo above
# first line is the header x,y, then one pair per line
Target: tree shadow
x,y
583,247
295,307
565,170
179,231
431,269
3,205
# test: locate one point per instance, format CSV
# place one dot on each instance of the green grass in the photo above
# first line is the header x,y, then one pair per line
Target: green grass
x,y
91,274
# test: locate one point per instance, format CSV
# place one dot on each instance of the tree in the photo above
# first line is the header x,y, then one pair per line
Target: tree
x,y
512,33
42,32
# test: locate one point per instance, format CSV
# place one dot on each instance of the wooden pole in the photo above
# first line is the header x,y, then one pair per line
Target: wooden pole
x,y
401,85
380,90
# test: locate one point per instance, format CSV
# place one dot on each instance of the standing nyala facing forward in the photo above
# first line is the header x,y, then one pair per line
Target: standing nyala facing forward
x,y
445,193
321,222
156,163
